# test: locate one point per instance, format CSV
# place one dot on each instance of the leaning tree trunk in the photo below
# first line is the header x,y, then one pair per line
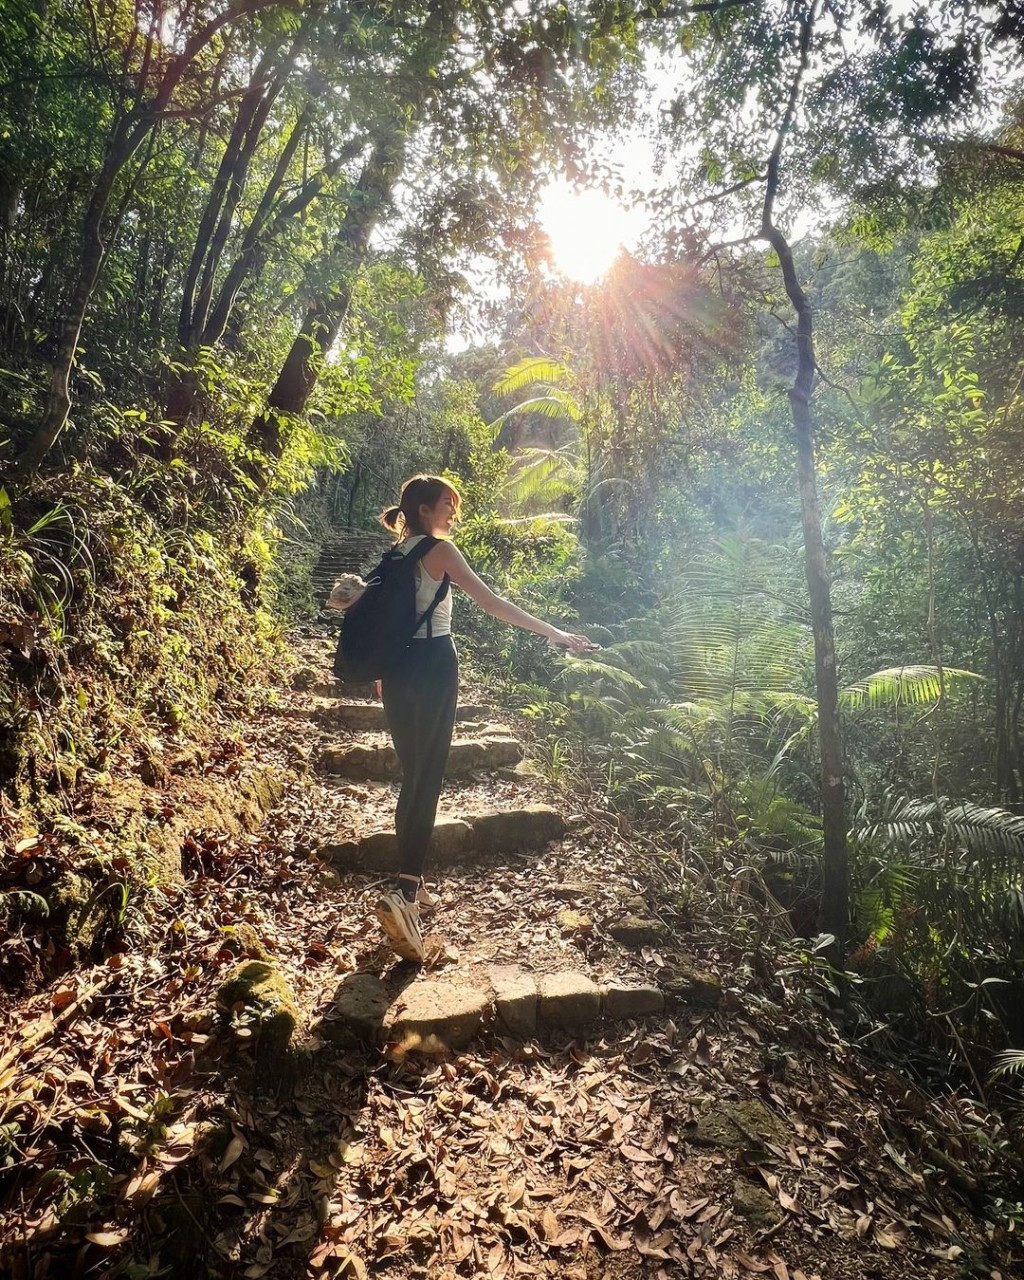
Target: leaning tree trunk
x,y
835,901
320,329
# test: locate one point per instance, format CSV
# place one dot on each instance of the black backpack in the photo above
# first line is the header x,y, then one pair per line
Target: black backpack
x,y
379,627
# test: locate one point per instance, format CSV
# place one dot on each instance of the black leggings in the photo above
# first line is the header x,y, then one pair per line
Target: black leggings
x,y
419,702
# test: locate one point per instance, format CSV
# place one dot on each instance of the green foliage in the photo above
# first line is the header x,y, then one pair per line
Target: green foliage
x,y
534,564
941,900
124,626
530,372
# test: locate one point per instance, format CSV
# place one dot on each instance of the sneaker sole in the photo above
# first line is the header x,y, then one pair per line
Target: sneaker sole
x,y
400,942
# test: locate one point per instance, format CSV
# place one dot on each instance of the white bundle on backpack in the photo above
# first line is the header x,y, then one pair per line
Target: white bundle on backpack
x,y
346,591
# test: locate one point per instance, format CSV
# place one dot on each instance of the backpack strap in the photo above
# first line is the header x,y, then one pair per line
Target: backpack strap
x,y
427,543
427,615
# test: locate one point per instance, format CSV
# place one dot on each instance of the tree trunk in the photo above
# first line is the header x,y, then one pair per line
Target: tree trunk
x,y
231,171
834,916
320,329
183,384
58,397
357,475
263,231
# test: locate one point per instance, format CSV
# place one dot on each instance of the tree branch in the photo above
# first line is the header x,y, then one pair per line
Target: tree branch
x,y
1010,153
775,159
727,191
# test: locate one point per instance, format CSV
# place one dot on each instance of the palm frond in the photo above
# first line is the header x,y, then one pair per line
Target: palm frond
x,y
975,828
529,371
1008,1063
540,475
901,685
552,404
730,626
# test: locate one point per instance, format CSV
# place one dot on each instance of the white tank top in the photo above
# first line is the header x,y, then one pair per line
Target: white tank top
x,y
426,589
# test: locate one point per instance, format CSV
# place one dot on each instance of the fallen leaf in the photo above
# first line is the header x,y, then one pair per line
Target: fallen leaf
x,y
635,1156
108,1239
750,1264
231,1153
614,1243
142,1185
891,1237
549,1225
128,1107
788,1202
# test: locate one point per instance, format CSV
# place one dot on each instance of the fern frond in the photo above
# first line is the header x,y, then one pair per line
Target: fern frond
x,y
589,666
786,702
688,715
773,813
537,523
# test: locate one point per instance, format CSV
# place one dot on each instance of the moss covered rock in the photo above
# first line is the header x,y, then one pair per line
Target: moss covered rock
x,y
687,985
640,931
738,1126
262,992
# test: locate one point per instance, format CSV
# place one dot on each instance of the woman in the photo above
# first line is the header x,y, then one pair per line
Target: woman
x,y
420,698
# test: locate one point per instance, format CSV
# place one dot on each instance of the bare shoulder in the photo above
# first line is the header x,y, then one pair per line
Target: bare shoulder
x,y
445,558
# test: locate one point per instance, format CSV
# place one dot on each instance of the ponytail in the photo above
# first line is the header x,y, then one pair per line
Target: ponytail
x,y
418,491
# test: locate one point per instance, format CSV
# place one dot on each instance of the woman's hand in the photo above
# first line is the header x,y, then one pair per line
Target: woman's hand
x,y
574,643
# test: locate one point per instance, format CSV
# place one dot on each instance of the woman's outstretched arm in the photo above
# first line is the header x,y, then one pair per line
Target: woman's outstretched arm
x,y
446,558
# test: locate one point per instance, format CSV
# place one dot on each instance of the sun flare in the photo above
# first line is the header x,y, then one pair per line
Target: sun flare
x,y
586,231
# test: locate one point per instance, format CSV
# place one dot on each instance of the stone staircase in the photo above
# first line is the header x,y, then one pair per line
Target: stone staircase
x,y
347,551
428,1011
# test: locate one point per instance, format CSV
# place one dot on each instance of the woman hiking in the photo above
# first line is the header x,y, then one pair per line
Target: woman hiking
x,y
421,695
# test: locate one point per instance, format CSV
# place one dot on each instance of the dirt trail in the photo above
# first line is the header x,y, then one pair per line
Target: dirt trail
x,y
732,1134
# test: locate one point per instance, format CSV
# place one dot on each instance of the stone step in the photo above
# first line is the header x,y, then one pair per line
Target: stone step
x,y
346,551
455,839
467,755
368,717
438,1013
330,689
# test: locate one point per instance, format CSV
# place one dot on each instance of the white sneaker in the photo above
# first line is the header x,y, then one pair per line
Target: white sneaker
x,y
425,900
400,920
